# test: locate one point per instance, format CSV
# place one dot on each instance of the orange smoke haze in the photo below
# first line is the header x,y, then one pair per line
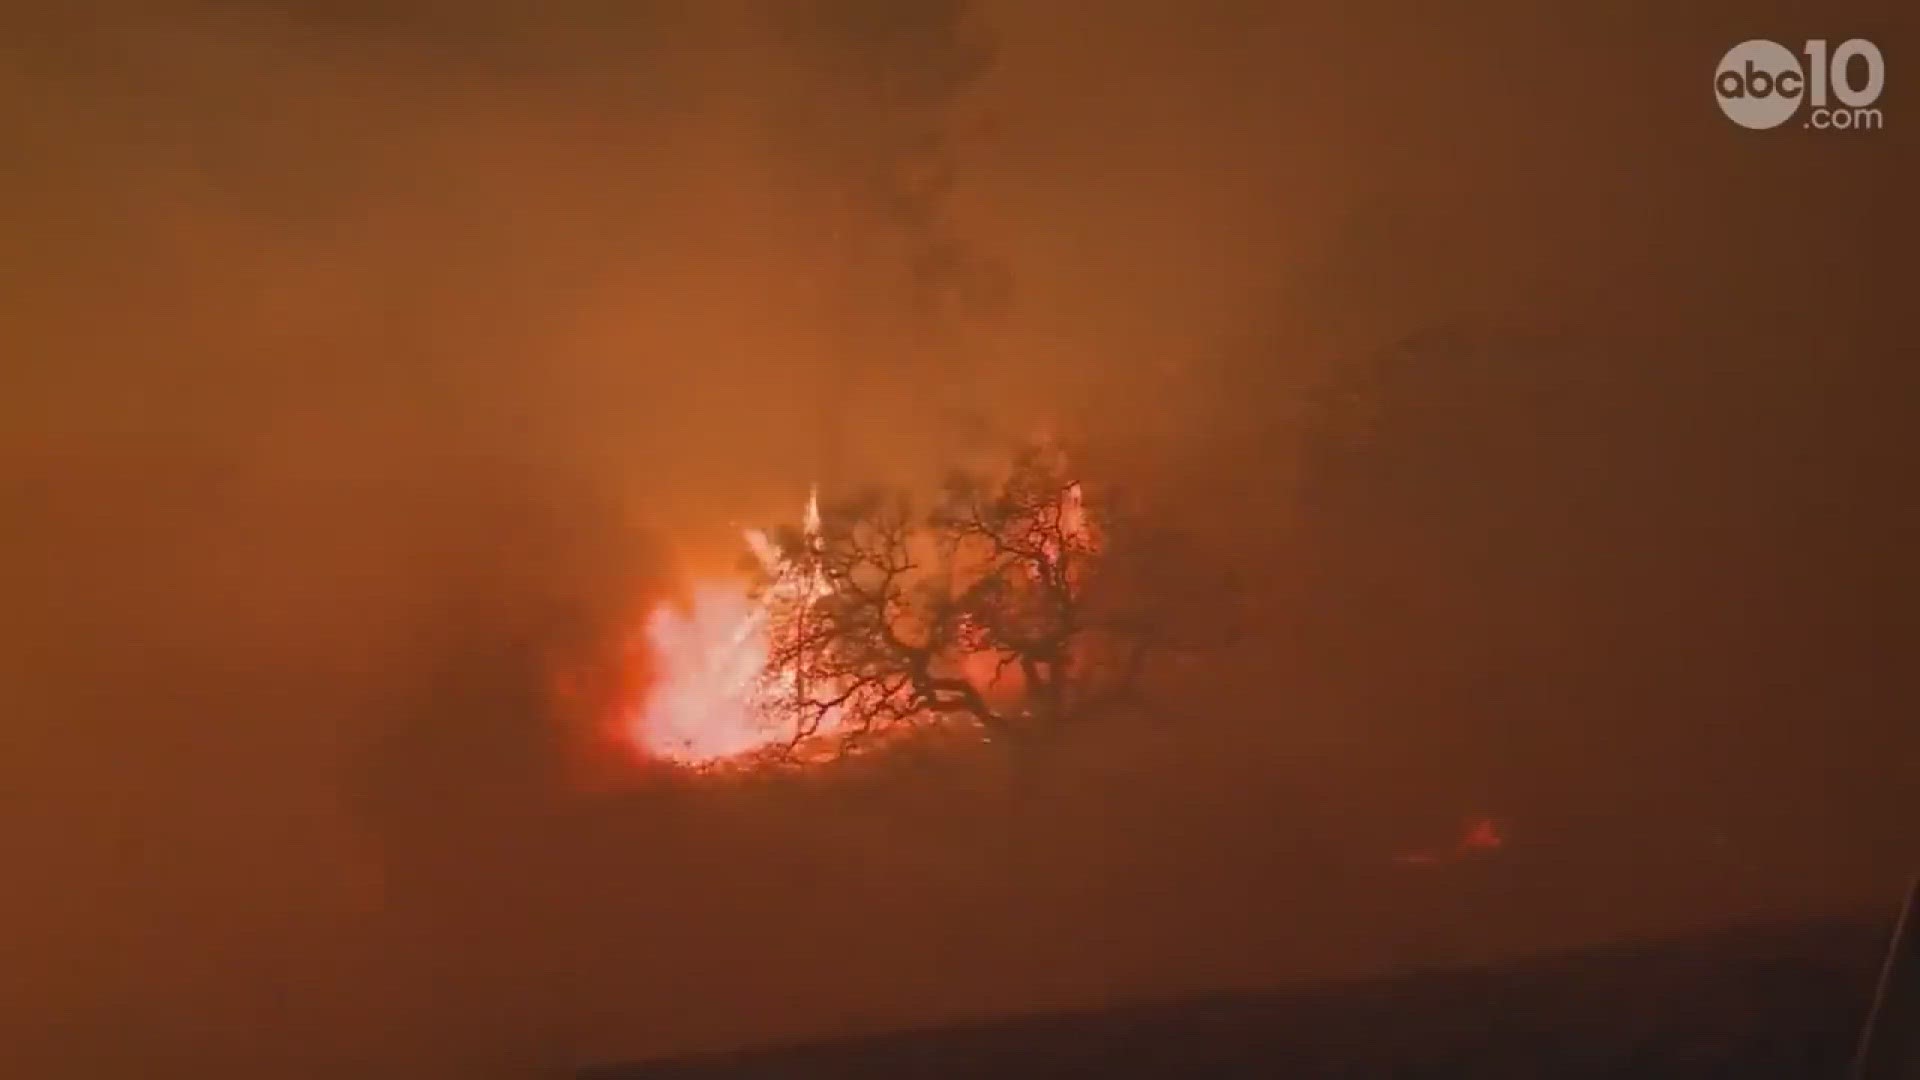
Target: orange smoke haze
x,y
374,384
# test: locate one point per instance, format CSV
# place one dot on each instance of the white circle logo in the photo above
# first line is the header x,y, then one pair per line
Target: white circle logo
x,y
1762,84
1759,84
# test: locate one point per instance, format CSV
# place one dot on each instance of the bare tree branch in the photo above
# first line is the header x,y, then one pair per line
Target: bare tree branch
x,y
993,609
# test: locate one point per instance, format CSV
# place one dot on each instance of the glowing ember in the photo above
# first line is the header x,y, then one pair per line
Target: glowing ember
x,y
1481,836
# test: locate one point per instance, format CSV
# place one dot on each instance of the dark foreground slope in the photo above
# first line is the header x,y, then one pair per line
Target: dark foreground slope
x,y
1777,1001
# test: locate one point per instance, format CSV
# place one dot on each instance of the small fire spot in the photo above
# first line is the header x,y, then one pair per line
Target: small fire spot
x,y
1480,835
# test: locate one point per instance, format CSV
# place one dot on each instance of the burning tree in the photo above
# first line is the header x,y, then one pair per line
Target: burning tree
x,y
1003,607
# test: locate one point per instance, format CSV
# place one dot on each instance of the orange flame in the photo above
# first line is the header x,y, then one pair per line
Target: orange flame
x,y
712,692
711,658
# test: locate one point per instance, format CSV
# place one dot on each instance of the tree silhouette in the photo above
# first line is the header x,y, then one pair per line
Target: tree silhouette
x,y
1005,608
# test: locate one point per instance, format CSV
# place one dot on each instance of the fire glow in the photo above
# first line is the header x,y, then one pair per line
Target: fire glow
x,y
725,686
1481,835
711,658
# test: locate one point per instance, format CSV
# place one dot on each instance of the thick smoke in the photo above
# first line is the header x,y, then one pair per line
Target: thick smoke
x,y
364,370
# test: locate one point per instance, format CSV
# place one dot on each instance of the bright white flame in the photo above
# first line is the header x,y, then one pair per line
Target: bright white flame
x,y
710,660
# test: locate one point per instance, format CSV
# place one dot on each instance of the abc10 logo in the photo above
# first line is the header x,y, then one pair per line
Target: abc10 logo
x,y
1761,84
